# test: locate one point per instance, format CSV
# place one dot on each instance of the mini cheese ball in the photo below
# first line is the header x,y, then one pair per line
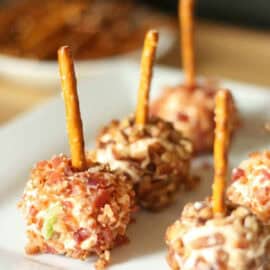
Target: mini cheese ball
x,y
250,185
73,206
213,234
155,156
200,241
190,105
191,110
76,213
149,150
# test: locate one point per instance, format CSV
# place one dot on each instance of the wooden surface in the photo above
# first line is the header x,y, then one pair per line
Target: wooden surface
x,y
221,50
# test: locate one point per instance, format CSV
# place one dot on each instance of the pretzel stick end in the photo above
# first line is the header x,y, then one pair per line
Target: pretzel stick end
x,y
221,145
148,57
73,115
186,21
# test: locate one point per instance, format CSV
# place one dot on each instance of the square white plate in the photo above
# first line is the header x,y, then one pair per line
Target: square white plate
x,y
39,134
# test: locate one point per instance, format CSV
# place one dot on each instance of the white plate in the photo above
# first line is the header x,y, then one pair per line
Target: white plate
x,y
45,73
41,133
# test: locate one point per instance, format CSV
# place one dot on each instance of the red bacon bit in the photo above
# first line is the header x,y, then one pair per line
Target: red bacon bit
x,y
41,164
106,235
266,174
81,235
243,244
56,161
95,180
237,174
262,195
32,249
132,220
33,211
182,117
210,93
50,250
54,177
76,187
102,198
135,209
67,204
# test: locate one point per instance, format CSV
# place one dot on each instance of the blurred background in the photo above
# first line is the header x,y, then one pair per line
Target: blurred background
x,y
232,41
245,12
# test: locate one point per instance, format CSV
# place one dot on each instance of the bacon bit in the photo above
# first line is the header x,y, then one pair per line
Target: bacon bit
x,y
54,177
93,182
243,244
68,190
67,204
33,211
96,179
81,235
132,220
106,235
102,198
56,161
266,174
164,169
32,249
40,223
262,195
41,164
135,209
50,250
237,174
182,117
210,93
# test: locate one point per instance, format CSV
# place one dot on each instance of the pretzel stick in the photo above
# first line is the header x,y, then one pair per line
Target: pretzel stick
x,y
221,144
148,57
186,21
73,116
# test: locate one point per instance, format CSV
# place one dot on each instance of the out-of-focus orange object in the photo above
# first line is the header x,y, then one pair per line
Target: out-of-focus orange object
x,y
94,29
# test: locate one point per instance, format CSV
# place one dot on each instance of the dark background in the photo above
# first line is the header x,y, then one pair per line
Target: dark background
x,y
255,13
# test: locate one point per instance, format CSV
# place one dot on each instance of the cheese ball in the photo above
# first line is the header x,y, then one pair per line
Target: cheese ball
x,y
192,112
198,241
76,213
250,185
155,156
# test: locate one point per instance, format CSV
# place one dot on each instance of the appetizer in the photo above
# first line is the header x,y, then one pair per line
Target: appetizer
x,y
190,106
250,185
147,149
74,206
213,234
94,29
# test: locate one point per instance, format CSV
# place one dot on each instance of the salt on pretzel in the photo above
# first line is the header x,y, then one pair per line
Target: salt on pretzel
x,y
73,116
221,145
186,21
148,57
